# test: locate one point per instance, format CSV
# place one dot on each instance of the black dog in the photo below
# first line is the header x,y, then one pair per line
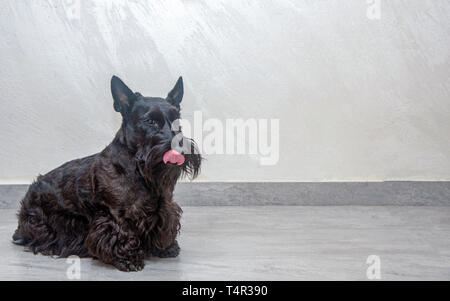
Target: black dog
x,y
116,205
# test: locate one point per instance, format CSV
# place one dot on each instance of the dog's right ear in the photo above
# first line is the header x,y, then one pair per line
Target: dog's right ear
x,y
122,95
176,94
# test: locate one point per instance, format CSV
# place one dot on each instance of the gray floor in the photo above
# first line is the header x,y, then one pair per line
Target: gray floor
x,y
274,243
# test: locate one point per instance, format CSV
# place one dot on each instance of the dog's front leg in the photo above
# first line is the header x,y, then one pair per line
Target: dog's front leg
x,y
115,243
163,239
172,251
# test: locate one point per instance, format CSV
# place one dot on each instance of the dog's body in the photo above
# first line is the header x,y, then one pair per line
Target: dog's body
x,y
115,205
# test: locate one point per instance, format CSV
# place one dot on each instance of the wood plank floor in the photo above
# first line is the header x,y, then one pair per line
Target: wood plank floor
x,y
273,243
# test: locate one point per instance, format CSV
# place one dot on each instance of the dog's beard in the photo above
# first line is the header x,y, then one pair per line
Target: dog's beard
x,y
191,167
149,160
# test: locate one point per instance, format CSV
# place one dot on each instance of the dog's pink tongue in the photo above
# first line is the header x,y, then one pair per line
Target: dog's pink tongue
x,y
172,156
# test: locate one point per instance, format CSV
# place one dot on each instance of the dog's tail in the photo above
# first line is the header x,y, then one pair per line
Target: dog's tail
x,y
17,238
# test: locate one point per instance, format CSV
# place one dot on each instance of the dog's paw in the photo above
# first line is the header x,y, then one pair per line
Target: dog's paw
x,y
129,266
170,252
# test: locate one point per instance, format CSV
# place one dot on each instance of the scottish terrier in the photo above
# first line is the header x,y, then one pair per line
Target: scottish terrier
x,y
117,205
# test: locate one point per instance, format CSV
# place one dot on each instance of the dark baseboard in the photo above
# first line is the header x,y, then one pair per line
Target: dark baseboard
x,y
291,193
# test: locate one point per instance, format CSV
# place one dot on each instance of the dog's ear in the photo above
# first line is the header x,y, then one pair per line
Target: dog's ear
x,y
122,95
176,95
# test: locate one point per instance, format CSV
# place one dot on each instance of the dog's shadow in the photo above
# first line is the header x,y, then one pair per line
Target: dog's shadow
x,y
153,263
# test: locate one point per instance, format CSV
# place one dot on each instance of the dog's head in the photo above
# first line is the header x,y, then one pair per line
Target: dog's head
x,y
150,130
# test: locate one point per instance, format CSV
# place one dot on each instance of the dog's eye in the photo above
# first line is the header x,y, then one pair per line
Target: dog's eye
x,y
152,122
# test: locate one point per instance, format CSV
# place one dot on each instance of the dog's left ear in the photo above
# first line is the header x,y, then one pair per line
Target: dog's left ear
x,y
176,95
123,96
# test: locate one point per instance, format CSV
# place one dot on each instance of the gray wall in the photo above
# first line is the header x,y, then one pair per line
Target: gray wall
x,y
358,99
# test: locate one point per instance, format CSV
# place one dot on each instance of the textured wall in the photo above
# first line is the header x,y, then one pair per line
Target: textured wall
x,y
358,99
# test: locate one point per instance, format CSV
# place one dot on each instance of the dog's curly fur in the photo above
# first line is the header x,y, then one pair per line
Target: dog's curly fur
x,y
117,205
